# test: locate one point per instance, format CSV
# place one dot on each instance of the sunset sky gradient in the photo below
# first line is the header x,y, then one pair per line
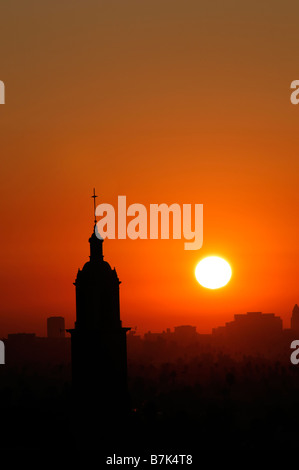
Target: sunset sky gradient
x,y
161,101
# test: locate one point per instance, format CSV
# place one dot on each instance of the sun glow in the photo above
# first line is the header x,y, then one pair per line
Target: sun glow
x,y
213,272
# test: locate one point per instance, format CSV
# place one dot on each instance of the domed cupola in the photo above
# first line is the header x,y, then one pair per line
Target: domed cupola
x,y
97,290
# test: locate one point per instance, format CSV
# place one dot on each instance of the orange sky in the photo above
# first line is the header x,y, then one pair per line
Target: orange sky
x,y
161,101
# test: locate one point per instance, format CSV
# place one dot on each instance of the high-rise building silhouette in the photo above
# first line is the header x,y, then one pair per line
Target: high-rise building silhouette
x,y
295,318
99,348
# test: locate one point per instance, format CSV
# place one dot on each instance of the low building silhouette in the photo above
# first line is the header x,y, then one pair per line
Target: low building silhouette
x,y
251,332
185,334
27,348
55,327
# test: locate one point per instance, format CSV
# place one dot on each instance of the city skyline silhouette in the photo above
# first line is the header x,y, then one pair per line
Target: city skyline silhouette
x,y
98,330
131,392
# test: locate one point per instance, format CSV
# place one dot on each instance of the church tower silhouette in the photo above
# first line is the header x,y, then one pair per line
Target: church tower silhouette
x,y
98,341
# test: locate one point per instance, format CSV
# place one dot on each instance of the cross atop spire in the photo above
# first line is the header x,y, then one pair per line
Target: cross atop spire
x,y
94,205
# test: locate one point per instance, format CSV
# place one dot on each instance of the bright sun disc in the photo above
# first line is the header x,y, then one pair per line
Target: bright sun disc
x,y
213,272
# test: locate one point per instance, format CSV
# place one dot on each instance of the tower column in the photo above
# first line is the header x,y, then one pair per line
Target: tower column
x,y
99,344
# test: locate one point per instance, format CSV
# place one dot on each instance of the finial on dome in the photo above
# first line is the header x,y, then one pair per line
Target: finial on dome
x,y
94,205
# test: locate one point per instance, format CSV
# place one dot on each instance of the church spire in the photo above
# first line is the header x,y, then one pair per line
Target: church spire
x,y
94,196
95,241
